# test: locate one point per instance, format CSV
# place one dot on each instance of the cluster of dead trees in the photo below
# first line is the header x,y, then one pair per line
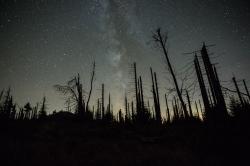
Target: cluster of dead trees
x,y
212,108
215,108
11,111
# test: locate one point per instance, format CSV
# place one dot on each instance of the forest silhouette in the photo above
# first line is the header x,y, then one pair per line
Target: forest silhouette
x,y
211,131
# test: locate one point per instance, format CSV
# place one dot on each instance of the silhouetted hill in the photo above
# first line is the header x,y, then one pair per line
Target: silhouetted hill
x,y
62,116
73,143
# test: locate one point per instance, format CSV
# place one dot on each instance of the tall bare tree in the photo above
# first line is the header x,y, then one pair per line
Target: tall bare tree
x,y
161,39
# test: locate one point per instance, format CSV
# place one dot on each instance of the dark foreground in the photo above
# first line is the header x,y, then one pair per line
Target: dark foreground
x,y
74,143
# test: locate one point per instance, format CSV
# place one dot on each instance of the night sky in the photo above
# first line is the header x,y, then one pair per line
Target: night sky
x,y
47,42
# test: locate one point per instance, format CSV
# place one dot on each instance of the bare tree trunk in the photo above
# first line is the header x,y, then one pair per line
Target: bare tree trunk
x,y
103,114
142,96
1,94
189,104
201,109
159,38
120,116
129,113
245,85
136,88
126,109
149,106
215,86
158,113
238,91
197,110
153,91
109,110
80,98
168,114
133,113
176,108
91,85
202,87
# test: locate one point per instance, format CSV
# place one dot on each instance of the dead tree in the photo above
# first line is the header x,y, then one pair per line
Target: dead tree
x,y
162,40
109,105
202,87
126,109
148,107
202,114
210,98
215,86
27,110
103,108
139,108
197,110
238,91
7,105
109,114
167,110
158,115
136,88
189,105
13,112
141,95
98,112
155,92
129,116
91,85
21,114
175,108
43,112
80,105
246,89
1,94
74,93
120,116
133,112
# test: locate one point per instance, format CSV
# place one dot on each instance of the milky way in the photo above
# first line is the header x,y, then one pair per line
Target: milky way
x,y
47,42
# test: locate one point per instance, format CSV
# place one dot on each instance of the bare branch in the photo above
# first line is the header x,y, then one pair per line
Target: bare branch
x,y
66,90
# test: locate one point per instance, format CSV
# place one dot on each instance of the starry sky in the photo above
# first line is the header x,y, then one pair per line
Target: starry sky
x,y
47,42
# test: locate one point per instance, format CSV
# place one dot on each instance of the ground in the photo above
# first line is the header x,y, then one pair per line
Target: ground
x,y
76,143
